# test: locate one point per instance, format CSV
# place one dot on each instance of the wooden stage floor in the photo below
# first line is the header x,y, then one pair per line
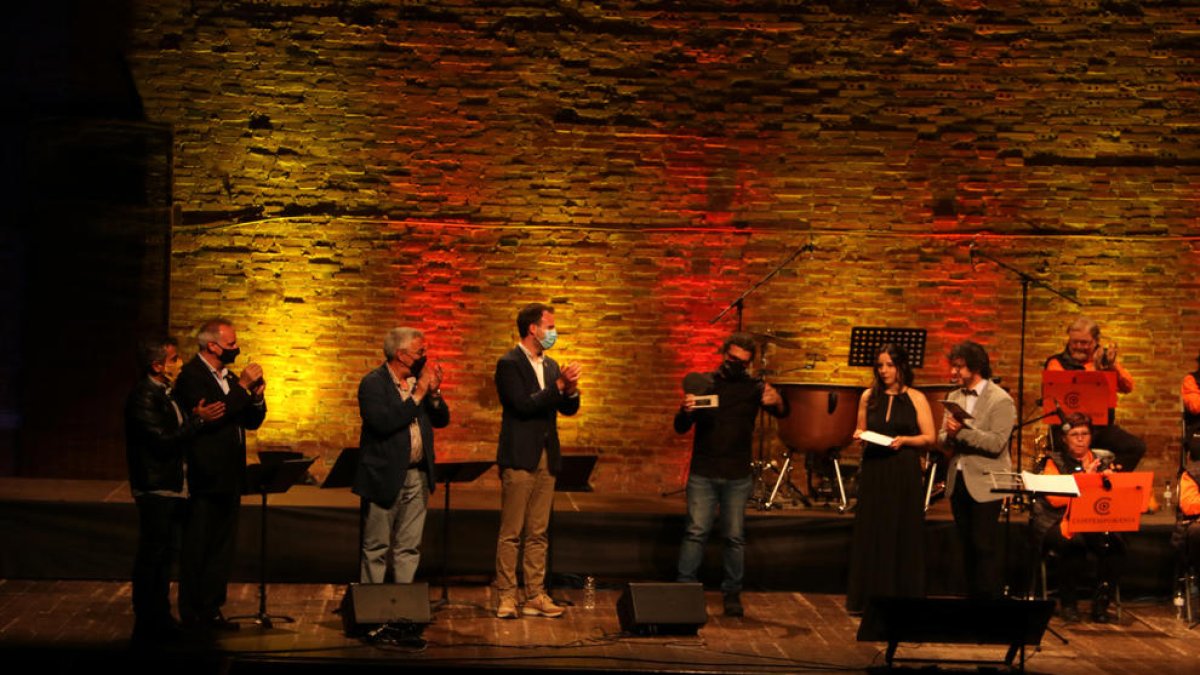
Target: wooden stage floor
x,y
82,626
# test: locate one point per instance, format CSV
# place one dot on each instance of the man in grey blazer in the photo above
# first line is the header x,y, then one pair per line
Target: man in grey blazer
x,y
978,447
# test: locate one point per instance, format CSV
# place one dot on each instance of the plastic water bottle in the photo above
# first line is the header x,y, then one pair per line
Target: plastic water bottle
x,y
1166,497
589,592
1179,602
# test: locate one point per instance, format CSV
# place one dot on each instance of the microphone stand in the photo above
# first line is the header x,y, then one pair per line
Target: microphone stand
x,y
740,301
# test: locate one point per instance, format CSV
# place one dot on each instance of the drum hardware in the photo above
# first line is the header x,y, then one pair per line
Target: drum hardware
x,y
785,480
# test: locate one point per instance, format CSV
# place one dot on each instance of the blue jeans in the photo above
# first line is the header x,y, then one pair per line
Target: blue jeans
x,y
704,495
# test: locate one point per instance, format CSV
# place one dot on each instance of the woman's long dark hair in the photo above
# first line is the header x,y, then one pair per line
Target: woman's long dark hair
x,y
903,371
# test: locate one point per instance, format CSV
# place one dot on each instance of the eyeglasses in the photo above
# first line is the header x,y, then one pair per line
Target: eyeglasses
x,y
745,363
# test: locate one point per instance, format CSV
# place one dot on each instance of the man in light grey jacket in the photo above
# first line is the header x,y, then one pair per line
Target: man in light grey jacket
x,y
979,447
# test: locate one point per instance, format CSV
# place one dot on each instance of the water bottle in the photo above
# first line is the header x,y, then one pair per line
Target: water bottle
x,y
1179,601
1166,497
589,592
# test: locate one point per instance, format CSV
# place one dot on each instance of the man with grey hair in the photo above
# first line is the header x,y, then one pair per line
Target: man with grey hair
x,y
1085,352
216,468
401,404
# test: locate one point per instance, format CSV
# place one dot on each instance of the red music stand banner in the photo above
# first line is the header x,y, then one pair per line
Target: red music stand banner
x,y
1091,392
1115,508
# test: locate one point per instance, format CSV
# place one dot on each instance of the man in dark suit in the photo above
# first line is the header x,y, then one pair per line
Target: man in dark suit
x,y
533,391
979,448
216,470
401,404
156,436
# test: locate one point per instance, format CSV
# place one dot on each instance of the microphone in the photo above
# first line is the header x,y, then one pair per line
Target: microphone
x,y
1062,416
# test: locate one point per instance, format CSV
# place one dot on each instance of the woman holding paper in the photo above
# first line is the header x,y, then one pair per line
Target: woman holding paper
x,y
887,557
1047,527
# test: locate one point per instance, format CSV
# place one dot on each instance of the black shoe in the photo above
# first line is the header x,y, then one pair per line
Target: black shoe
x,y
218,622
213,623
733,605
1100,605
156,631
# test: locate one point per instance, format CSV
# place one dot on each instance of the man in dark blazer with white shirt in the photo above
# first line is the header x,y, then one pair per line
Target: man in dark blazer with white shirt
x,y
979,448
400,403
216,470
533,391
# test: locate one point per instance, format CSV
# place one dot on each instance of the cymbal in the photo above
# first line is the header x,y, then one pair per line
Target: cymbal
x,y
782,342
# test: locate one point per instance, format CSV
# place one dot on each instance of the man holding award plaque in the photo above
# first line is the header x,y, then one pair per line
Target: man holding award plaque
x,y
723,411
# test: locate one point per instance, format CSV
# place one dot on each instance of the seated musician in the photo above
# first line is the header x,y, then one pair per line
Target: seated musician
x,y
1049,530
1189,391
1186,537
1084,352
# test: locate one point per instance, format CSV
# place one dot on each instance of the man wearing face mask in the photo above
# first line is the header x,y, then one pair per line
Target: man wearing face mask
x,y
720,472
156,435
216,471
401,404
533,391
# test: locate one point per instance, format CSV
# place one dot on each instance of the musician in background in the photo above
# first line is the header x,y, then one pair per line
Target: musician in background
x,y
720,471
1186,537
1049,530
1189,391
1085,352
979,448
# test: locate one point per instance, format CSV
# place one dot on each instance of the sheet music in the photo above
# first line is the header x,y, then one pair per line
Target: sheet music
x,y
876,438
1052,485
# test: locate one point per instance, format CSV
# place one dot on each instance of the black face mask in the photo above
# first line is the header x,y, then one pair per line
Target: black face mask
x,y
733,370
228,356
417,366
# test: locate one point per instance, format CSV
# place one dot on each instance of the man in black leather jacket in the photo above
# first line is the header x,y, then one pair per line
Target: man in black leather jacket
x,y
156,435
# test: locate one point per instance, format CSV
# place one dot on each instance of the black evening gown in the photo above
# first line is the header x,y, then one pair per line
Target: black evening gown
x,y
887,556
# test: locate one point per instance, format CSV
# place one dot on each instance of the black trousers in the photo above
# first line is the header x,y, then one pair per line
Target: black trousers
x,y
1109,550
978,525
160,520
1128,448
206,564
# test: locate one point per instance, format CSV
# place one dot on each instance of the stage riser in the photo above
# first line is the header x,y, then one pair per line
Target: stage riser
x,y
47,540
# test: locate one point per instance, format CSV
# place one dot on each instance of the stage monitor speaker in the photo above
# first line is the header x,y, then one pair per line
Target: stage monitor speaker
x,y
955,621
366,606
662,609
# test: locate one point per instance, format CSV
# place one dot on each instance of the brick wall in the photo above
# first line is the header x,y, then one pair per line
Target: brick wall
x,y
346,167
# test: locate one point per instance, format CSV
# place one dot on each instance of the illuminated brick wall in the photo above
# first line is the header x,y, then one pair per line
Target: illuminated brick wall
x,y
345,168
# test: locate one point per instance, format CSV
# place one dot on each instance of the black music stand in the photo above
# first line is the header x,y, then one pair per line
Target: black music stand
x,y
344,467
447,473
272,476
865,341
574,475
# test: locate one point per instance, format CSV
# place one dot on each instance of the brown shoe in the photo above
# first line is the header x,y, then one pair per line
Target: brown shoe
x,y
542,605
507,609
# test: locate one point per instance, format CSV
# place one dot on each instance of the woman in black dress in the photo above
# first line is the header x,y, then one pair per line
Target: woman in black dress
x,y
887,557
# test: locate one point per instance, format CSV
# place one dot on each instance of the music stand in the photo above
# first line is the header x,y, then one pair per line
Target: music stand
x,y
1113,507
447,473
269,477
573,476
865,341
344,468
1089,392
